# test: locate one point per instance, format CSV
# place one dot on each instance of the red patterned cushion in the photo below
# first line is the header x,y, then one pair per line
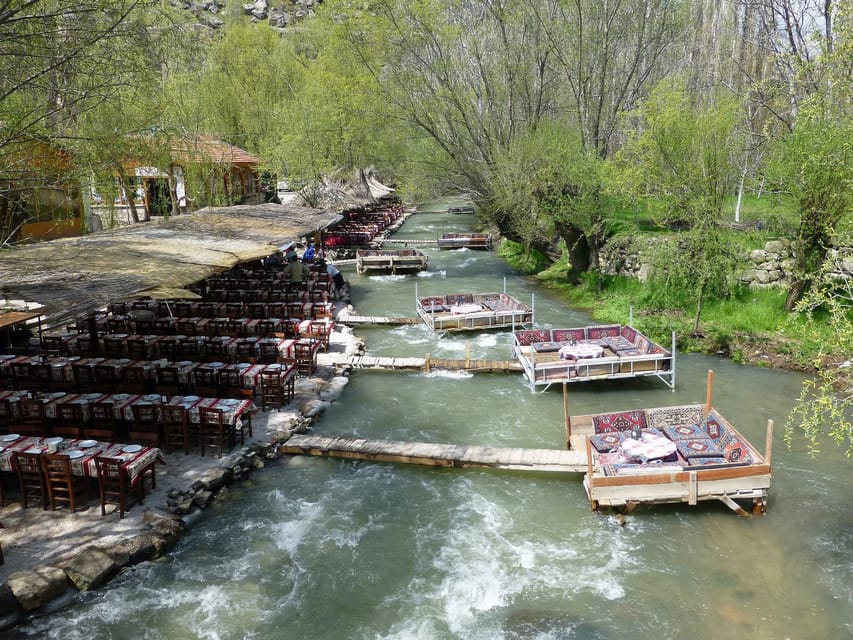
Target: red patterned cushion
x,y
629,333
607,331
623,421
565,335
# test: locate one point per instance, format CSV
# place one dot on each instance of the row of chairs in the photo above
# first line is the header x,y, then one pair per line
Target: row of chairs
x,y
46,478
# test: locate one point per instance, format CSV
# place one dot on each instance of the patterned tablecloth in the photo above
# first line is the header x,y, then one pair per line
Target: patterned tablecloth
x,y
137,459
650,447
581,350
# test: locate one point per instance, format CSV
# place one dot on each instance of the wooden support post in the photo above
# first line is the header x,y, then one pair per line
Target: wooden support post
x,y
709,391
467,356
566,417
734,506
768,443
426,363
592,502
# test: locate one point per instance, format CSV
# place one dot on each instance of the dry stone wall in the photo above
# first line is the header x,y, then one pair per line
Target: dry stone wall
x,y
763,268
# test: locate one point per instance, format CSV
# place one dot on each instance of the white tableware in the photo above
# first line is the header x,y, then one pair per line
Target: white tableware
x,y
272,367
152,397
184,363
191,398
93,396
87,444
33,450
123,360
244,365
216,364
230,402
54,440
121,396
11,437
132,448
74,454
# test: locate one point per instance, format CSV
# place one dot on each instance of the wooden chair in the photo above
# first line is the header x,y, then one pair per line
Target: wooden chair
x,y
30,477
32,421
231,385
134,380
117,324
113,347
176,427
84,377
206,381
145,428
169,348
69,422
246,351
137,349
192,349
217,327
103,425
114,486
53,346
186,326
42,377
268,352
304,351
256,310
233,309
63,487
214,433
183,309
22,375
108,378
273,390
206,309
5,415
168,382
216,350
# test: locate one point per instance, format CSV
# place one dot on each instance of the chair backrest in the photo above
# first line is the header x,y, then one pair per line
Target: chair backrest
x,y
211,416
5,415
137,349
32,411
83,374
110,470
168,376
56,467
27,464
70,413
145,415
103,413
30,475
174,414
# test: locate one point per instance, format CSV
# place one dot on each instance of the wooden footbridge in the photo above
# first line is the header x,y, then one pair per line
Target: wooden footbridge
x,y
438,455
427,364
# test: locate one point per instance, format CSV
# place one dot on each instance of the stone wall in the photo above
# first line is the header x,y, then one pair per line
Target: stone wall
x,y
760,268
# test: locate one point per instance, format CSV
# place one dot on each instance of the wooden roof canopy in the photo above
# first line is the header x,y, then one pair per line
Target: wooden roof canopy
x,y
73,277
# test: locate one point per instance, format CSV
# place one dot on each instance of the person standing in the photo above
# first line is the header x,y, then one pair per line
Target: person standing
x,y
337,279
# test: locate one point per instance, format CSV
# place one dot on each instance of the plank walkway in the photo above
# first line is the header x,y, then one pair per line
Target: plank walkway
x,y
438,455
362,320
419,364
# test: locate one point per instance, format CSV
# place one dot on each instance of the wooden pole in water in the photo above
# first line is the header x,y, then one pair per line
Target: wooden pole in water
x,y
589,472
709,392
467,356
426,363
566,417
768,444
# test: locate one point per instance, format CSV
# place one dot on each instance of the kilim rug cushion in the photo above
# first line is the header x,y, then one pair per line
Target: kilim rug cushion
x,y
605,442
685,432
698,448
622,421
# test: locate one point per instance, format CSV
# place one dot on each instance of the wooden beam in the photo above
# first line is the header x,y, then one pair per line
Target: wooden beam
x,y
709,391
426,363
589,472
566,417
768,443
731,504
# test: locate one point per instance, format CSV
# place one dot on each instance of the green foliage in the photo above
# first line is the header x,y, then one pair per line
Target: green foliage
x,y
524,260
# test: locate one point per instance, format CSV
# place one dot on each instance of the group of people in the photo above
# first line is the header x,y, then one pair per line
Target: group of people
x,y
297,269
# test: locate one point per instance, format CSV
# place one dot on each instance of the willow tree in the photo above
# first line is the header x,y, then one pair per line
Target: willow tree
x,y
683,157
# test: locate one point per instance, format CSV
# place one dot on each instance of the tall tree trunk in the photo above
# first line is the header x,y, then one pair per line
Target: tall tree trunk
x,y
578,248
130,194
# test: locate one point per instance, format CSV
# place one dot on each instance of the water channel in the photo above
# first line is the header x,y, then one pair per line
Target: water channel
x,y
331,549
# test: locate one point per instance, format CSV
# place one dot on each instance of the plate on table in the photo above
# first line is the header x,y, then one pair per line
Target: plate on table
x,y
230,402
74,454
93,396
55,395
244,365
121,396
11,437
151,397
132,448
123,360
273,367
191,398
216,364
87,444
184,363
33,450
54,440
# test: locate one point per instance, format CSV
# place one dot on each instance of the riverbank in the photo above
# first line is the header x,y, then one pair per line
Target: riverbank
x,y
51,555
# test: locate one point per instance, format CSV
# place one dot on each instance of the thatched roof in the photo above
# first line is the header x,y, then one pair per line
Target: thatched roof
x,y
73,277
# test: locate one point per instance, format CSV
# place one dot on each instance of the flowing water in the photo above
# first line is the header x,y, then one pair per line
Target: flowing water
x,y
322,548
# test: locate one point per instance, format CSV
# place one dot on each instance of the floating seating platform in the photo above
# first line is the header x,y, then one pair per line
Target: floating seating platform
x,y
418,364
438,455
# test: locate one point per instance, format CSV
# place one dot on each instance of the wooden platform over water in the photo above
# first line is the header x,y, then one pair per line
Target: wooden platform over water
x,y
418,364
438,455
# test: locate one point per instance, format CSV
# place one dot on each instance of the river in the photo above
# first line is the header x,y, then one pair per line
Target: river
x,y
318,548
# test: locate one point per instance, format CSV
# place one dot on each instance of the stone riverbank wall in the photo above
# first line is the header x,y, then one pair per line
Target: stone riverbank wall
x,y
768,267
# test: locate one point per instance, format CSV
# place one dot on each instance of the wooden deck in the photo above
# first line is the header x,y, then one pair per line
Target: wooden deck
x,y
438,455
419,364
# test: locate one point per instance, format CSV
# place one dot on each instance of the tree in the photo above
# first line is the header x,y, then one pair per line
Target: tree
x,y
825,405
683,159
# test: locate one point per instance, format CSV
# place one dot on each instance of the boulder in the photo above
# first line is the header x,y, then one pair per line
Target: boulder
x,y
34,589
139,548
10,608
91,568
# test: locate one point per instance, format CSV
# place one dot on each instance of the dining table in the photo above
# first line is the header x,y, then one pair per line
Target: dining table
x,y
136,459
